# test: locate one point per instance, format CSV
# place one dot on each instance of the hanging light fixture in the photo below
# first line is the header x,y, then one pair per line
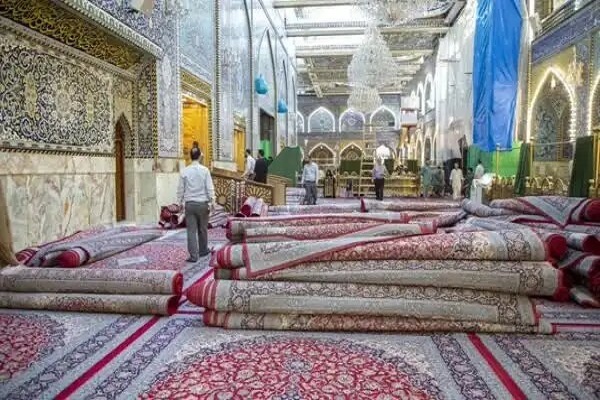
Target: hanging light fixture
x,y
372,65
397,12
364,99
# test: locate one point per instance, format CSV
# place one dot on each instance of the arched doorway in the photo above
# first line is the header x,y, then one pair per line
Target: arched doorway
x,y
121,134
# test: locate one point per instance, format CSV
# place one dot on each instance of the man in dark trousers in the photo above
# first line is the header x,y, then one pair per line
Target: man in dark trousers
x,y
197,194
261,168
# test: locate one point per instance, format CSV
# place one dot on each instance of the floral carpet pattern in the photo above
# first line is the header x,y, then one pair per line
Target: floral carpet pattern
x,y
60,355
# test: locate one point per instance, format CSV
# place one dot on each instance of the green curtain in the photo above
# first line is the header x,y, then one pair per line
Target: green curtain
x,y
523,169
350,166
287,163
508,161
265,145
583,167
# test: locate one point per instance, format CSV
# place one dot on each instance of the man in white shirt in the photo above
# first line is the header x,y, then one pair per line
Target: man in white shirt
x,y
197,194
310,177
250,163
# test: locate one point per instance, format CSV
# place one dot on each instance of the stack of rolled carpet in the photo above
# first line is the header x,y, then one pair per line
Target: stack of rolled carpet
x,y
52,276
173,217
575,220
375,272
120,291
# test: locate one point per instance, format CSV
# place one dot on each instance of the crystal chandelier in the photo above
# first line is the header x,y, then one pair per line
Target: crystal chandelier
x,y
372,65
364,99
398,12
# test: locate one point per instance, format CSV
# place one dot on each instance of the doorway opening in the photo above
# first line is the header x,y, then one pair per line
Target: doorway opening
x,y
239,148
120,136
267,133
195,129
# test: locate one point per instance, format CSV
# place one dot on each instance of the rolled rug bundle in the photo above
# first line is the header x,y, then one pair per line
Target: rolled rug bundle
x,y
262,258
236,227
314,209
259,208
351,299
481,210
86,252
370,205
83,280
531,278
247,206
172,217
94,303
558,209
322,232
556,241
357,323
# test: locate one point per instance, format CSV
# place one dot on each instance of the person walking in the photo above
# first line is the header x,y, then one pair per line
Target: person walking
x,y
310,176
261,168
379,173
196,194
250,163
456,180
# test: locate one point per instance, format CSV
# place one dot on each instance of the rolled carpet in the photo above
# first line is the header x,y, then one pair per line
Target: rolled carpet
x,y
262,258
481,210
237,226
556,241
83,280
246,208
351,299
259,208
584,297
558,209
94,303
585,265
321,232
370,205
357,323
314,209
532,278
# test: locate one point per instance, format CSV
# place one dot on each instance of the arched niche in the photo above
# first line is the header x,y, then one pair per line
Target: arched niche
x,y
352,121
299,123
322,154
321,120
383,118
240,68
266,69
552,115
351,152
594,111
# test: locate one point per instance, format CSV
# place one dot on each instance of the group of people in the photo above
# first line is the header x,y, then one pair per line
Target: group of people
x,y
256,169
433,180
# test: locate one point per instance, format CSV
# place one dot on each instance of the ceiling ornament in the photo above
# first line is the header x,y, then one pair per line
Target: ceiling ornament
x,y
372,65
397,12
364,99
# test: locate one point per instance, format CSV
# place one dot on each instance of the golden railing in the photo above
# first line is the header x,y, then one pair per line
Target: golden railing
x,y
231,190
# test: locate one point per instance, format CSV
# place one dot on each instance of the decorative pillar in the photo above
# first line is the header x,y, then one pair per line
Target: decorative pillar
x,y
216,112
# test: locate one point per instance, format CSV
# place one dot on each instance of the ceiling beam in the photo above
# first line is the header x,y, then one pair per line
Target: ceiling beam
x,y
316,51
311,3
361,31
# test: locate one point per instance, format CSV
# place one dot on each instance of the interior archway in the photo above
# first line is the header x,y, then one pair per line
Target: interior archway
x,y
551,121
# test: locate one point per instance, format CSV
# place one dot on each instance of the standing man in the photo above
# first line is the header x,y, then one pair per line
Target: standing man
x,y
379,172
197,194
456,180
310,176
250,163
261,168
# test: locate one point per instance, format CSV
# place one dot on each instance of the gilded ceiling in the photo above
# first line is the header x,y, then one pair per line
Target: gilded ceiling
x,y
327,33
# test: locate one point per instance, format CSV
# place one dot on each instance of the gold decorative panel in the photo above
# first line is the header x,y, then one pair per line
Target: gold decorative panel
x,y
202,90
56,22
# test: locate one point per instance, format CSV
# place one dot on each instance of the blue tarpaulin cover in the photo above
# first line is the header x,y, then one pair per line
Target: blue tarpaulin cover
x,y
496,72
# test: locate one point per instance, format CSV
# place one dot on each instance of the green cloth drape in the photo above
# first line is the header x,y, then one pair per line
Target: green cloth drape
x,y
350,166
265,145
508,161
583,167
523,169
287,163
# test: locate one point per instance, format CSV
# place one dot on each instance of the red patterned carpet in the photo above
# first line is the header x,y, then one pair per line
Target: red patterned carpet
x,y
59,355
